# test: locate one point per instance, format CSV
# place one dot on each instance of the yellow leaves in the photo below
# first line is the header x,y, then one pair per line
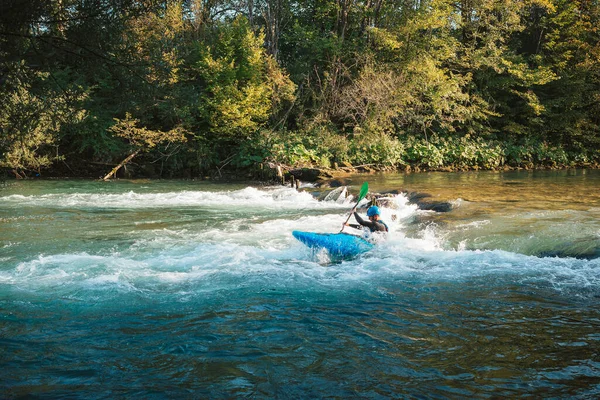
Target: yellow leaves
x,y
240,109
152,39
547,4
253,43
532,101
385,40
31,120
217,70
170,58
284,89
144,138
244,85
527,76
173,21
376,96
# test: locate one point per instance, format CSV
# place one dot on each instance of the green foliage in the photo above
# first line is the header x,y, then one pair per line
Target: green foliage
x,y
571,48
423,153
143,138
33,113
316,147
242,84
375,147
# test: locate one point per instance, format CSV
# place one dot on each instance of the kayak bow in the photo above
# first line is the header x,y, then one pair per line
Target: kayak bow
x,y
337,244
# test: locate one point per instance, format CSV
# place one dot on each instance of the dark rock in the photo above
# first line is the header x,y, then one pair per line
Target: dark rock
x,y
337,183
310,174
414,197
437,206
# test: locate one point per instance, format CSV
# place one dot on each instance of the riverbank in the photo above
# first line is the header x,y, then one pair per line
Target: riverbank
x,y
285,158
280,173
303,170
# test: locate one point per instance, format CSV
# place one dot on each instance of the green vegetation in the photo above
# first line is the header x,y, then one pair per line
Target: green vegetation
x,y
192,88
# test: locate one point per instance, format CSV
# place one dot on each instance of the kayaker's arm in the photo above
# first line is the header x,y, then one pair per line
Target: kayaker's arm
x,y
355,226
374,226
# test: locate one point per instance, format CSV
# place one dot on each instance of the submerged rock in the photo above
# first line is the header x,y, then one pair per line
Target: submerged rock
x,y
422,200
582,249
437,206
310,174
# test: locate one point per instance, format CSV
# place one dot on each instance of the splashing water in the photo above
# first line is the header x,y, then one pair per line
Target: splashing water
x,y
181,288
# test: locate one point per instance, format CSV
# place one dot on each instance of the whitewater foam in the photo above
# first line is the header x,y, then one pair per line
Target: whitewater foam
x,y
274,197
256,245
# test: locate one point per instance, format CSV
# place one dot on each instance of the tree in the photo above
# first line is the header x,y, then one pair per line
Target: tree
x,y
33,113
502,74
142,139
570,46
238,88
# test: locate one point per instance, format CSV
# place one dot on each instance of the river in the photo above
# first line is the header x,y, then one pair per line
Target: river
x,y
183,289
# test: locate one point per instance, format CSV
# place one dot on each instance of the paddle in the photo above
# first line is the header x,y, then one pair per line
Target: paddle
x,y
363,192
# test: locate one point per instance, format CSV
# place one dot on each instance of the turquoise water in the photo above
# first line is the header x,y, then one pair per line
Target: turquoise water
x,y
156,289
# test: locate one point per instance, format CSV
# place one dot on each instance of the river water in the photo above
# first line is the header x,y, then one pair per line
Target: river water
x,y
153,289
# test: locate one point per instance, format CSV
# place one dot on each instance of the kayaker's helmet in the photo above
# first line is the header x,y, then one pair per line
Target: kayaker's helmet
x,y
373,211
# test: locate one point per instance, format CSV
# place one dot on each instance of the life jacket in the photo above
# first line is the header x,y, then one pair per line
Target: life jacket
x,y
387,228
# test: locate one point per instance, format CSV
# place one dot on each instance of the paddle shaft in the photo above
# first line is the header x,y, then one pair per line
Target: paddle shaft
x,y
348,219
363,192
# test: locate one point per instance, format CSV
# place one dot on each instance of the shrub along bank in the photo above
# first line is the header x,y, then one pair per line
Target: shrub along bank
x,y
382,152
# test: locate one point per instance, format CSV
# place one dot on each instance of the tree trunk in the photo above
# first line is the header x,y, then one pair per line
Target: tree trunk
x,y
125,161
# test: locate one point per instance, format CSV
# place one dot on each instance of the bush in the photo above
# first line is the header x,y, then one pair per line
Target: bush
x,y
323,147
375,148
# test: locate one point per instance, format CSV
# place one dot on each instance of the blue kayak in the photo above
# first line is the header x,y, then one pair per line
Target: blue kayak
x,y
337,244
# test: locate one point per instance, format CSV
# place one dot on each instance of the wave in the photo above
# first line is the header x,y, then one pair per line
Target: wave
x,y
226,267
192,253
275,197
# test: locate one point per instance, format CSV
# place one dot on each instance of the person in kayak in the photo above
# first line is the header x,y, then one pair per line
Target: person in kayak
x,y
375,224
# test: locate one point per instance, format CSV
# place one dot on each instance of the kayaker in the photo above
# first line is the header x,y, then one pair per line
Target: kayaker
x,y
375,224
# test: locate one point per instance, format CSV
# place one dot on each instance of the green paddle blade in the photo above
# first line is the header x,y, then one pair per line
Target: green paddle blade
x,y
363,191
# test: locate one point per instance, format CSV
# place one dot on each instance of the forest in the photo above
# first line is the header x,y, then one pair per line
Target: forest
x,y
199,88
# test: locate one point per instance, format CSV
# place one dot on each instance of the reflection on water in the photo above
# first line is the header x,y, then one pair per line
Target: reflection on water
x,y
532,190
544,213
191,289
